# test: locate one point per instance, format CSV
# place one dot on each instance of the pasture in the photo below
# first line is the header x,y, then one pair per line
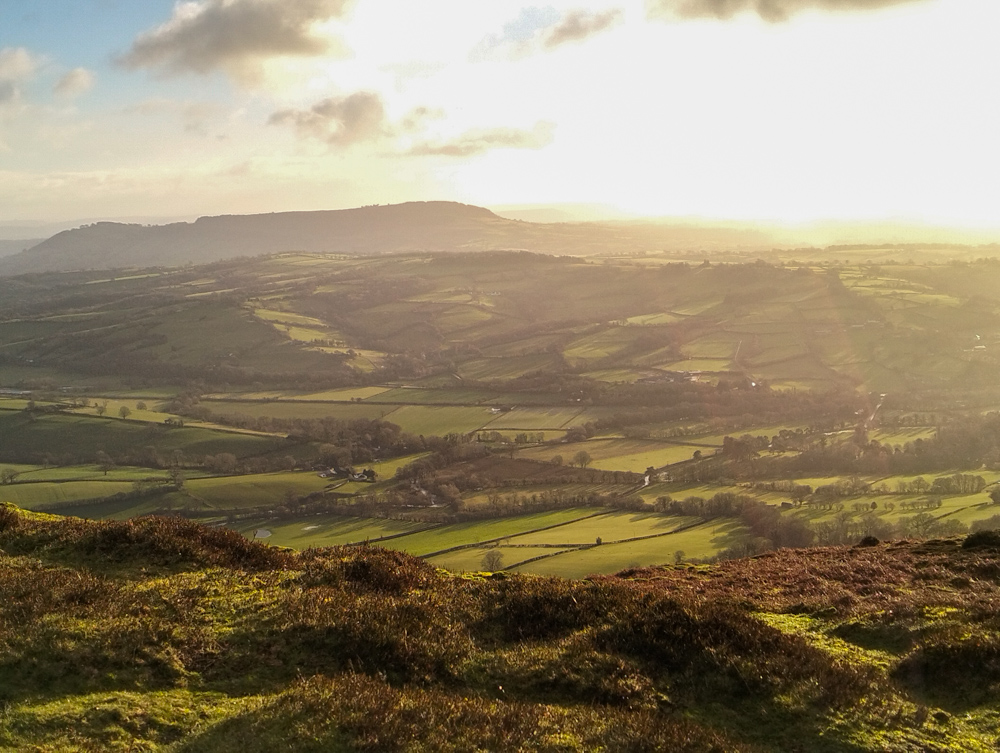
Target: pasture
x,y
696,543
439,420
82,436
426,396
87,473
611,527
42,496
534,419
306,410
255,490
471,560
327,530
462,534
509,367
633,455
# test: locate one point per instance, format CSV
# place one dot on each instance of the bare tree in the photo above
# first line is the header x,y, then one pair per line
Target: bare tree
x,y
492,560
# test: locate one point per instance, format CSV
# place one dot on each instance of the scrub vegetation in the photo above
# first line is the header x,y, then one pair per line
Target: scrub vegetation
x,y
166,635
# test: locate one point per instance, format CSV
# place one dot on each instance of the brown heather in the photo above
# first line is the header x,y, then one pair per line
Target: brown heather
x,y
160,635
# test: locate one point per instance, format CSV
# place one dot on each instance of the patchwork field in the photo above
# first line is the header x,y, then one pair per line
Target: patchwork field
x,y
61,435
42,496
288,409
633,455
534,419
439,420
699,542
612,527
327,530
471,560
459,534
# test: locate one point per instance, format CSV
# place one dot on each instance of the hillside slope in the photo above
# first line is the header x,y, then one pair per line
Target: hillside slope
x,y
160,635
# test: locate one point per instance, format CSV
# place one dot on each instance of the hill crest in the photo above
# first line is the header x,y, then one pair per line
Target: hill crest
x,y
412,226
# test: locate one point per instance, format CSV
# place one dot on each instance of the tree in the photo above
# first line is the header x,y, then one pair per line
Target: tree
x,y
679,556
556,460
492,560
140,405
124,411
582,458
7,475
995,495
104,461
101,408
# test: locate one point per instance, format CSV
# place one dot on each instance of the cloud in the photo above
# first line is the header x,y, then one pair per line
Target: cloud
x,y
339,121
542,29
578,25
16,66
769,10
74,83
479,141
234,35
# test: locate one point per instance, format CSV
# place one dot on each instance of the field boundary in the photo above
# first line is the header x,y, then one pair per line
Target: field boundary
x,y
582,547
476,544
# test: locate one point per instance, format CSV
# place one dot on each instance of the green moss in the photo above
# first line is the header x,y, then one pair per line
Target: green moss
x,y
158,635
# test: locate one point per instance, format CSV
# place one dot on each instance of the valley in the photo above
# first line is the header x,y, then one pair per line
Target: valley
x,y
492,388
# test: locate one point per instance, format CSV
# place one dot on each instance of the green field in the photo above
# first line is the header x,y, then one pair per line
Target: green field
x,y
438,420
615,526
327,530
902,436
45,495
696,543
617,454
425,396
471,560
534,419
64,434
257,490
507,367
288,409
600,345
88,473
459,534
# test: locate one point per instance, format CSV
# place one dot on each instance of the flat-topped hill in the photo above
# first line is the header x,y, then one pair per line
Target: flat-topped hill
x,y
440,225
381,229
160,634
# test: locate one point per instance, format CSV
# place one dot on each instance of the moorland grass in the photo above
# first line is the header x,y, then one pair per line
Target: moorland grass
x,y
161,635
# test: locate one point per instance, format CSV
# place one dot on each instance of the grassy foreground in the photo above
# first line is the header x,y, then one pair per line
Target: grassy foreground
x,y
156,634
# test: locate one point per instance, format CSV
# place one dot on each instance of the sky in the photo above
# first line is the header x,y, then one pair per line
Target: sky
x,y
766,110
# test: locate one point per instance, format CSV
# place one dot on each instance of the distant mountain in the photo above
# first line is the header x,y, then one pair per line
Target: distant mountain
x,y
414,226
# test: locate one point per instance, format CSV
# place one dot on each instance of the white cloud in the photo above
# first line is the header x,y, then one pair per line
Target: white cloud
x,y
542,29
480,141
339,121
236,36
17,65
577,25
769,10
78,81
